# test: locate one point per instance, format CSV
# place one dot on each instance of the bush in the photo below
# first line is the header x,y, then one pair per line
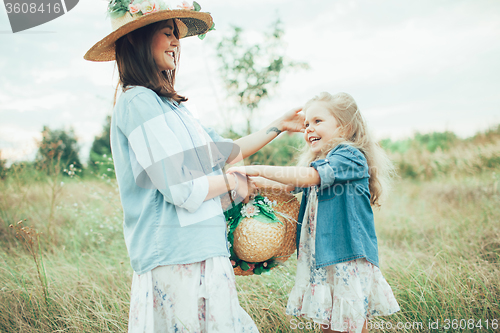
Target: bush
x,y
426,156
100,160
3,167
282,151
57,150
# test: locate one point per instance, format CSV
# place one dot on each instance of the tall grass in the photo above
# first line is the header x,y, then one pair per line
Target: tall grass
x,y
439,244
426,156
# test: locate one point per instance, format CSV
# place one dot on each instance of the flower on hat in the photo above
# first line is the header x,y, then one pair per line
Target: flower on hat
x,y
149,7
118,8
186,5
134,9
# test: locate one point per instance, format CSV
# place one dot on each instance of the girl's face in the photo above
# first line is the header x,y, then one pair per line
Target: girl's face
x,y
321,126
163,45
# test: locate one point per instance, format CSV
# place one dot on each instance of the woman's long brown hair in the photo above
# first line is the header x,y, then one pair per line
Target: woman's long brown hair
x,y
136,65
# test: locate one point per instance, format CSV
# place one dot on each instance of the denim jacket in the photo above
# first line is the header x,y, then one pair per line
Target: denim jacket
x,y
162,157
345,227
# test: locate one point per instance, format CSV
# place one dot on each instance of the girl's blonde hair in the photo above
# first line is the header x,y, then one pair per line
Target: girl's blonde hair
x,y
354,132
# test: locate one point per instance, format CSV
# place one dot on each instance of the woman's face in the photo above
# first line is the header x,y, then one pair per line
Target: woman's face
x,y
163,45
321,126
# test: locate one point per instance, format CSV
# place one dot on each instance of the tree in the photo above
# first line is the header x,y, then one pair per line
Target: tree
x,y
251,73
57,150
100,160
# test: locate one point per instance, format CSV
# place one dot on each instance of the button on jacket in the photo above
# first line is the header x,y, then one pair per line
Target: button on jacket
x,y
345,226
162,157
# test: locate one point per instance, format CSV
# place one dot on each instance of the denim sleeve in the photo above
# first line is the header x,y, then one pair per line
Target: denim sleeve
x,y
156,155
340,166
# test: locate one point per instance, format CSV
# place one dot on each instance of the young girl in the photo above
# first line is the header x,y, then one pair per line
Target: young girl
x,y
168,168
338,282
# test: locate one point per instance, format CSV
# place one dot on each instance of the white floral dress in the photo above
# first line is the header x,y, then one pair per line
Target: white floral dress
x,y
194,298
341,296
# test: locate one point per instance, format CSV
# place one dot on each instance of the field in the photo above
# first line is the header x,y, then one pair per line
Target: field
x,y
439,244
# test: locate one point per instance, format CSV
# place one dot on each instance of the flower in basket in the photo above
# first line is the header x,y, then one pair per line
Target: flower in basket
x,y
249,209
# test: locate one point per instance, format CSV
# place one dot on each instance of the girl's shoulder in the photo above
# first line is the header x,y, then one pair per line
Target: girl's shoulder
x,y
348,151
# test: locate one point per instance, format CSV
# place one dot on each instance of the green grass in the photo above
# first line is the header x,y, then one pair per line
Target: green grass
x,y
439,244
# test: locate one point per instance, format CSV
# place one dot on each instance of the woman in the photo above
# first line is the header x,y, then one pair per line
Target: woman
x,y
168,168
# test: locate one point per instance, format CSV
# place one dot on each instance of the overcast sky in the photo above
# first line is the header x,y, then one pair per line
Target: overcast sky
x,y
428,65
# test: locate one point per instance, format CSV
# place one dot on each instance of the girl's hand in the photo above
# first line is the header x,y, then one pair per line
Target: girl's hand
x,y
262,182
293,121
245,170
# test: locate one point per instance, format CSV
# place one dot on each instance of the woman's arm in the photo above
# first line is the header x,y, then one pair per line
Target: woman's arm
x,y
291,121
289,175
217,186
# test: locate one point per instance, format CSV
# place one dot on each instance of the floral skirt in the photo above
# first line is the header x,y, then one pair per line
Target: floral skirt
x,y
342,296
194,298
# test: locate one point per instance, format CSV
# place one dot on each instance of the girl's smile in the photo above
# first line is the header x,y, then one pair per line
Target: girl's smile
x,y
163,47
321,127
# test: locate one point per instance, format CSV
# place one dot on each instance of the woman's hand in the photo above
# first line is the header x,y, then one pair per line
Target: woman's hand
x,y
292,121
246,188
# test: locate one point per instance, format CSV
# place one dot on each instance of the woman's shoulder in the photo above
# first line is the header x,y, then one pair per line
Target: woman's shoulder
x,y
133,92
137,104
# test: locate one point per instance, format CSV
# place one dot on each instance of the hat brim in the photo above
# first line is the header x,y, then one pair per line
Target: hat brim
x,y
196,23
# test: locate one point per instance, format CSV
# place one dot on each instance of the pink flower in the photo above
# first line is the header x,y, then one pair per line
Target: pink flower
x,y
249,210
233,262
149,7
252,266
134,9
185,5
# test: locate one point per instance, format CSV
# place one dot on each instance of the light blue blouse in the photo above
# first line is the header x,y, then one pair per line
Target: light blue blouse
x,y
162,157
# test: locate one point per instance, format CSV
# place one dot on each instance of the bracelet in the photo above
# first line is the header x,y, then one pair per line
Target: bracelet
x,y
233,191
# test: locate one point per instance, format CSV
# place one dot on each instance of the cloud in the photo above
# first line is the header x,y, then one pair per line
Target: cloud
x,y
17,143
36,103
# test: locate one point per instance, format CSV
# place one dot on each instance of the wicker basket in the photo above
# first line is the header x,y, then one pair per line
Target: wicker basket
x,y
255,241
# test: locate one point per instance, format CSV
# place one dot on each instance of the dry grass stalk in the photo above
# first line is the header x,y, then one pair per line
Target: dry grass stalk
x,y
30,238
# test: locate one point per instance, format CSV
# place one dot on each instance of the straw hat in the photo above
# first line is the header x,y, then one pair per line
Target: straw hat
x,y
127,16
255,241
